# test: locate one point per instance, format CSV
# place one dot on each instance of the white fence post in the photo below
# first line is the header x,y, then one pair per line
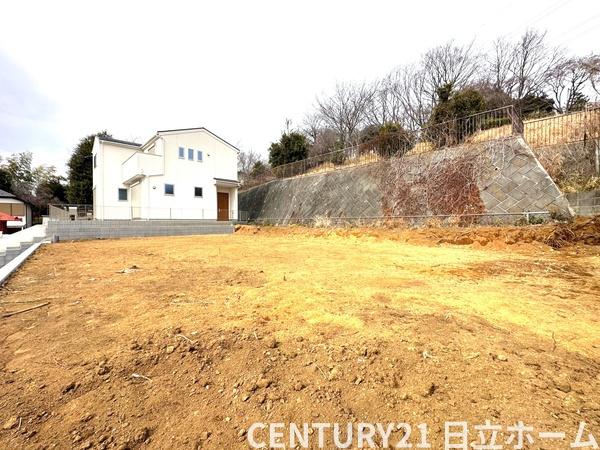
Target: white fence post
x,y
597,151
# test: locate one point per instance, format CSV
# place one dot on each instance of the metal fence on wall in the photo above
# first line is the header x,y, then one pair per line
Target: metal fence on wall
x,y
557,129
70,212
88,212
578,126
489,125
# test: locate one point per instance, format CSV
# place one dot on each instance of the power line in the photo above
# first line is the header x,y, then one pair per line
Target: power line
x,y
579,25
536,18
584,33
550,12
518,27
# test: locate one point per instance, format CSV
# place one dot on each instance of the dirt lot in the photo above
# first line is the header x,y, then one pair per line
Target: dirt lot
x,y
202,336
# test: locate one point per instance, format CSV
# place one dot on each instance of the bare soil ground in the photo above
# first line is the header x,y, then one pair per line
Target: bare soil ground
x,y
203,335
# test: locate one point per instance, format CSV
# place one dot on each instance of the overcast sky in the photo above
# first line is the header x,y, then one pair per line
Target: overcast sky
x,y
239,68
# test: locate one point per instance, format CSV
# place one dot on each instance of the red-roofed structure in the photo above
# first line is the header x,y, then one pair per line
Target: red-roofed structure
x,y
4,218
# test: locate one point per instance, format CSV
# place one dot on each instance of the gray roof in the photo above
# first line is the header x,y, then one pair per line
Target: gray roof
x,y
4,194
199,128
120,141
226,180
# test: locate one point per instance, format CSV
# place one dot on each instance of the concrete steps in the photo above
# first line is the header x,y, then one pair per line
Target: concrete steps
x,y
12,245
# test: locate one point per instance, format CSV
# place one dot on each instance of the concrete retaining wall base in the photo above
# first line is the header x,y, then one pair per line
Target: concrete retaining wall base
x,y
585,203
112,229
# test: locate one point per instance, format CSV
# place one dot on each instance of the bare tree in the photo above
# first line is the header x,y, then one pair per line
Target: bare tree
x,y
312,126
246,161
345,110
592,66
449,64
568,81
531,62
327,140
320,138
409,87
515,71
384,105
499,63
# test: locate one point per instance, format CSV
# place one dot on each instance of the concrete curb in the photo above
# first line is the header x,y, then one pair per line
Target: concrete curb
x,y
7,270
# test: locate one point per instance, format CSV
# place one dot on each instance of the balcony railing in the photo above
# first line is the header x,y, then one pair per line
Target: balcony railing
x,y
139,165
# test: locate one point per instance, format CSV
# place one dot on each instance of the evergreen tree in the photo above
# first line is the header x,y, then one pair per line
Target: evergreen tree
x,y
79,189
292,146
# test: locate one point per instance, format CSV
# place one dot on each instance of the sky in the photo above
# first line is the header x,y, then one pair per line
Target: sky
x,y
239,68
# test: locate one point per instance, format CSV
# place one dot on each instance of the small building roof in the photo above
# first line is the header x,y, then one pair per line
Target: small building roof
x,y
226,182
9,218
4,194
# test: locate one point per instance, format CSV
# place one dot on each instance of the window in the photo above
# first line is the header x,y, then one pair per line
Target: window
x,y
18,209
94,161
181,153
197,192
122,195
169,189
190,154
199,155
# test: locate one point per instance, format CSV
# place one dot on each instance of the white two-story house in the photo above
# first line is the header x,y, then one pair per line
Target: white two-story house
x,y
177,174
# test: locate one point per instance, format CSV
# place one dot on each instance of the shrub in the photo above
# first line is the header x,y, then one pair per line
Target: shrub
x,y
533,106
338,157
535,220
322,222
450,123
390,139
494,122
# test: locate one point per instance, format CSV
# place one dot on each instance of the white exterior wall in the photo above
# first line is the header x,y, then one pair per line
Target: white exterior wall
x,y
149,200
219,161
107,180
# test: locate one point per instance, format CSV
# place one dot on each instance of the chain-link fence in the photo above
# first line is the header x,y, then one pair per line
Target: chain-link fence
x,y
418,220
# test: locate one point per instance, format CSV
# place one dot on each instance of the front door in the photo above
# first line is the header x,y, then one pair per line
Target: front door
x,y
222,206
135,194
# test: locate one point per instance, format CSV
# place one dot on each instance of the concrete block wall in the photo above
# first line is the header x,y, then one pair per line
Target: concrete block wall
x,y
59,230
585,203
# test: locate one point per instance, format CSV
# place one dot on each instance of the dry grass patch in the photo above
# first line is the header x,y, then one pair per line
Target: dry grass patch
x,y
306,325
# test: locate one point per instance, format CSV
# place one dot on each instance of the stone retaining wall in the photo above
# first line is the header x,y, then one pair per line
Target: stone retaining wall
x,y
347,192
509,181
